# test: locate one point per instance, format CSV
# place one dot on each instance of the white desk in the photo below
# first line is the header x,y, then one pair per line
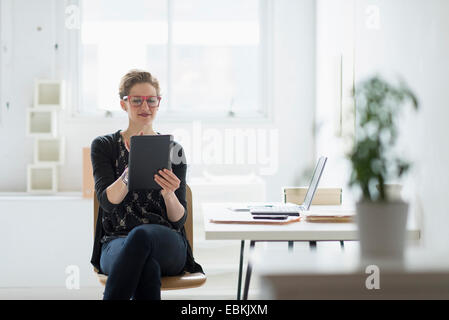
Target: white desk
x,y
325,275
300,231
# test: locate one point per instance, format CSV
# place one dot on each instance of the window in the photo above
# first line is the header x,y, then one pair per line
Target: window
x,y
210,56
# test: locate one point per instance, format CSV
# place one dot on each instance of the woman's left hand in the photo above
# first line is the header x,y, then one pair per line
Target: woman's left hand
x,y
168,181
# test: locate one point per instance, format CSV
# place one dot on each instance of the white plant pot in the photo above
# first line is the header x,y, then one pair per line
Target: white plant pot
x,y
382,230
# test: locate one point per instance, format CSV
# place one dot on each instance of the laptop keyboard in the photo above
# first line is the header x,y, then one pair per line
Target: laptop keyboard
x,y
286,210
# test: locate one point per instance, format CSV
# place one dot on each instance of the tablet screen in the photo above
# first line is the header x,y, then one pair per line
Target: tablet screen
x,y
148,155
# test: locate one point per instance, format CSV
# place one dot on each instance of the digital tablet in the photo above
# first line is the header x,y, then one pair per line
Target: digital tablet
x,y
148,155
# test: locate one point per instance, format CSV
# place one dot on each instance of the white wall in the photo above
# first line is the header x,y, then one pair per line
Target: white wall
x,y
334,81
34,56
395,38
413,42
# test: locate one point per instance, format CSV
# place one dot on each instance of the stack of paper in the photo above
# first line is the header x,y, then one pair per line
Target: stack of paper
x,y
329,217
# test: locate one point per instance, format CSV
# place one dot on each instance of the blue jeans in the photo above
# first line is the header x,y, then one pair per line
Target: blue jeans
x,y
135,263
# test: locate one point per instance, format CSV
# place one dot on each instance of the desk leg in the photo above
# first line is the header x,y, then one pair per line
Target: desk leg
x,y
290,246
239,285
312,245
249,269
342,245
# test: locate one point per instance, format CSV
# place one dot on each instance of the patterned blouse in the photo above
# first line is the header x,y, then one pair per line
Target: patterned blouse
x,y
138,207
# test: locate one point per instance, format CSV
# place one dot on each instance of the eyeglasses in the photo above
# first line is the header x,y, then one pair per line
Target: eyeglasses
x,y
137,101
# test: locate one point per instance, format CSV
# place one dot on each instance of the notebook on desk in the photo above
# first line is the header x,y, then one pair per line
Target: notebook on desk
x,y
290,209
246,218
320,216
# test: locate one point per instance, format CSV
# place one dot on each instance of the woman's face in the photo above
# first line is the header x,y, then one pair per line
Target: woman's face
x,y
141,111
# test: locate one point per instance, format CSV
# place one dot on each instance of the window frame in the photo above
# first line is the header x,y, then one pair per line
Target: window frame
x,y
72,40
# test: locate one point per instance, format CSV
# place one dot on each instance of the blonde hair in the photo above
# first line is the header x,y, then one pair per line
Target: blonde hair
x,y
136,76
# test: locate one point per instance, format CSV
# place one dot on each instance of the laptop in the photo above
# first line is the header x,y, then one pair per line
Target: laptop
x,y
295,210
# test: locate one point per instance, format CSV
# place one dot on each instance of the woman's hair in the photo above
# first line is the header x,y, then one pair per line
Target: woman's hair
x,y
136,76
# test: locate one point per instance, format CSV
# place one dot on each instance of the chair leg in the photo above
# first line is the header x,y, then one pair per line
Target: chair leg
x,y
290,246
342,245
312,245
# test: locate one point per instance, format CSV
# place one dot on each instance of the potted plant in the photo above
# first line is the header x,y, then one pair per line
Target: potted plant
x,y
381,218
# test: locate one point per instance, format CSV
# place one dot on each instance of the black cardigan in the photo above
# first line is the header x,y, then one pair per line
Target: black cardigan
x,y
104,153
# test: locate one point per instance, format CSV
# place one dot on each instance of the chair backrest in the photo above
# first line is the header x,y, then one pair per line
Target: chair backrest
x,y
323,196
188,224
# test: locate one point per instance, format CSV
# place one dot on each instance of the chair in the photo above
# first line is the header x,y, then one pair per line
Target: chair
x,y
184,281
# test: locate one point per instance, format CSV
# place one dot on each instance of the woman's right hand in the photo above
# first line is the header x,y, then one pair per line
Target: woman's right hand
x,y
127,146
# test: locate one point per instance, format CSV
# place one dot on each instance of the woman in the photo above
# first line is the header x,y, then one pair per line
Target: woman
x,y
140,235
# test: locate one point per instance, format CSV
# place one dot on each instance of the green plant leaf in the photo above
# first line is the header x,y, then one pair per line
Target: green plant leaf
x,y
378,105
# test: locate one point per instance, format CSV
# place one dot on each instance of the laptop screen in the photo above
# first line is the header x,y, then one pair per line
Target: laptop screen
x,y
314,183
